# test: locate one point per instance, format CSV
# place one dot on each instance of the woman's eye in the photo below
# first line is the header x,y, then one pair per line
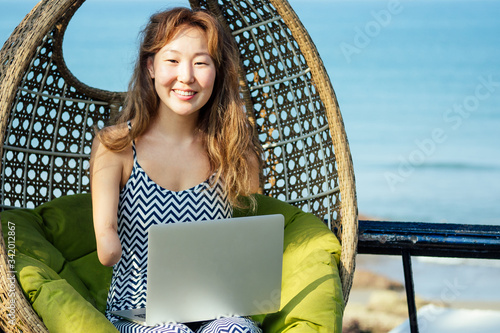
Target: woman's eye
x,y
173,61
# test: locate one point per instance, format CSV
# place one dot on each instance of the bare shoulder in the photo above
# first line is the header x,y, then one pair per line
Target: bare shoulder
x,y
117,131
254,170
101,156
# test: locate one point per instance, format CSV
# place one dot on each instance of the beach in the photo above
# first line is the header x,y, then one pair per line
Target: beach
x,y
377,304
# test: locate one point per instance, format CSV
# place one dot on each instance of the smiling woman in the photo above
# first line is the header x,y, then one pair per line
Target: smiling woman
x,y
179,149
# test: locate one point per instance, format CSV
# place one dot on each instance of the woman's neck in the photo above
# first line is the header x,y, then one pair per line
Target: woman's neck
x,y
174,127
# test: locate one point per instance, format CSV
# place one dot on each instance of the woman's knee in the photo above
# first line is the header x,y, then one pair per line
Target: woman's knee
x,y
230,325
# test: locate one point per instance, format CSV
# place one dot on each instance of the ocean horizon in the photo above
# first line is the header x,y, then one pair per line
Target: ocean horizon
x,y
418,84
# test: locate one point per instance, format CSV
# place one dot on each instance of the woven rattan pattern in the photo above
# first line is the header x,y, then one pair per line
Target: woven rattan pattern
x,y
48,137
47,117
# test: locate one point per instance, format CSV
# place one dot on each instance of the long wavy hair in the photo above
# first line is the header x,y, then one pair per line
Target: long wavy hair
x,y
227,133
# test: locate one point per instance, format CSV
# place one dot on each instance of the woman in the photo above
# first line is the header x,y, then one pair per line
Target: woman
x,y
181,142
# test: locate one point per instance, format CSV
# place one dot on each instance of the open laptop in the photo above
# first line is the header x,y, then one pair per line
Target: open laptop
x,y
205,270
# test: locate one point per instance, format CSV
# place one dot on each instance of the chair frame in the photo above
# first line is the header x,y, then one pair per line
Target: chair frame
x,y
32,66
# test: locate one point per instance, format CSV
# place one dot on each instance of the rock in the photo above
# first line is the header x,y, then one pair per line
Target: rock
x,y
369,280
376,304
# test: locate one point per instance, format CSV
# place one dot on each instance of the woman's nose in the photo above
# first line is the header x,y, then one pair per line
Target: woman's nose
x,y
186,73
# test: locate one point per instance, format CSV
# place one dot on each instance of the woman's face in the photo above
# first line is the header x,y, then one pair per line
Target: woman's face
x,y
183,73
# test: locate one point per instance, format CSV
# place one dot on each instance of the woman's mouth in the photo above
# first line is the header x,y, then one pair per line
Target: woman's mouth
x,y
185,93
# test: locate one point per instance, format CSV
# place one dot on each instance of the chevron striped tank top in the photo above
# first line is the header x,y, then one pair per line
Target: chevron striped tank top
x,y
142,204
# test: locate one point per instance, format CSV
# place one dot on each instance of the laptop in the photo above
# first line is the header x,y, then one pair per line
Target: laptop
x,y
199,271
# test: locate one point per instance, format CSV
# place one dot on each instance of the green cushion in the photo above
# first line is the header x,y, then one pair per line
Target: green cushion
x,y
60,273
311,293
57,265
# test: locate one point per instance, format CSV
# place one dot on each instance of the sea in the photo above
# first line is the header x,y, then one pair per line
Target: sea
x,y
418,84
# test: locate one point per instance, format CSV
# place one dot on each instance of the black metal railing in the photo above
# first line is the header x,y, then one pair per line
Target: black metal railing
x,y
409,239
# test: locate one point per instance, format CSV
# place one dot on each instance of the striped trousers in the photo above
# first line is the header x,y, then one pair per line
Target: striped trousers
x,y
222,325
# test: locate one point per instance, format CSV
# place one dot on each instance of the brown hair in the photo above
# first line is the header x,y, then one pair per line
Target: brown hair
x,y
228,135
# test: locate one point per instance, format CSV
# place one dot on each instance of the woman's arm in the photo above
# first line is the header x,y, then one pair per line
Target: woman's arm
x,y
106,169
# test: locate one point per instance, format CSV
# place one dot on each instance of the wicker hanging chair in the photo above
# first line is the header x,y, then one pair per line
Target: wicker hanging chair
x,y
46,117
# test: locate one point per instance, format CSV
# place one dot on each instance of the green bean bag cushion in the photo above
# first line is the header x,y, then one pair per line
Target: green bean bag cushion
x,y
58,268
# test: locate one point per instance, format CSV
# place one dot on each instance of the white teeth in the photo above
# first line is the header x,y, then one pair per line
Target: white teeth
x,y
184,93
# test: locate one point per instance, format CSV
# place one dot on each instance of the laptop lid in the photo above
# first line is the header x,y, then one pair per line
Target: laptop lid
x,y
204,270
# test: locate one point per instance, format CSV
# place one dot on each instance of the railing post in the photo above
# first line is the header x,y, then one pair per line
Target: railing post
x,y
410,291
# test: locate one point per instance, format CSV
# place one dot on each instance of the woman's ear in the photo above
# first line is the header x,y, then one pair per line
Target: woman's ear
x,y
151,69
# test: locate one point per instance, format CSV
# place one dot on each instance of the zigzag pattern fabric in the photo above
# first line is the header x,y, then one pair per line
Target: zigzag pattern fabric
x,y
222,325
142,204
